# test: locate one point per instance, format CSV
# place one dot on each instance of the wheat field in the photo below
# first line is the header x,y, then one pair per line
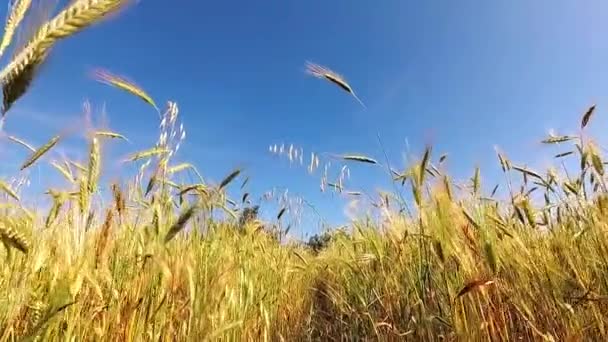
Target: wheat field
x,y
148,258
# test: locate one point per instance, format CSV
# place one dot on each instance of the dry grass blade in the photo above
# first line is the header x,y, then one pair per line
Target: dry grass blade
x,y
64,171
244,183
494,190
360,158
473,285
78,166
528,172
335,186
122,83
4,187
21,142
402,177
325,73
229,178
71,20
564,154
587,116
281,212
302,259
156,151
111,135
224,329
18,11
184,217
40,152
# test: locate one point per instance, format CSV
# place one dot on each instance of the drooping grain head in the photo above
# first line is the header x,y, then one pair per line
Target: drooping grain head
x,y
124,84
20,71
327,74
10,236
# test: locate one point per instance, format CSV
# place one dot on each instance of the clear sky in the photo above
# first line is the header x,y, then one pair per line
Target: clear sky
x,y
463,76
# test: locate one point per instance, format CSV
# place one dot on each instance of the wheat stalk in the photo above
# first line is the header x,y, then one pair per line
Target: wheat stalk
x,y
21,142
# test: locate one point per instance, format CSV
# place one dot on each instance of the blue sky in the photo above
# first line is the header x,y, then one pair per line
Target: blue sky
x,y
463,76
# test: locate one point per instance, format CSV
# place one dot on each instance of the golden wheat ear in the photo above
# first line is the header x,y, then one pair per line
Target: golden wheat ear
x,y
17,12
78,15
122,83
319,71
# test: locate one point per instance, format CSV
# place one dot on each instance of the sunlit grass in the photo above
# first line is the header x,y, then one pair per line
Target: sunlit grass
x,y
154,258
